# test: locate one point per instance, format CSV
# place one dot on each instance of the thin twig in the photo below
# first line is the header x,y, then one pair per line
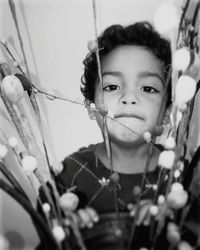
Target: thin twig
x,y
13,12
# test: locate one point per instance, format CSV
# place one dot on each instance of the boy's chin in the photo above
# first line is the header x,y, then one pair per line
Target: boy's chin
x,y
128,141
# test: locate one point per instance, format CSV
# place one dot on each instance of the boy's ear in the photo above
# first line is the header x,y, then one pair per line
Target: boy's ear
x,y
91,112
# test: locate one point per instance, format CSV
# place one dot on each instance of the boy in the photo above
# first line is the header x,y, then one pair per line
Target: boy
x,y
134,63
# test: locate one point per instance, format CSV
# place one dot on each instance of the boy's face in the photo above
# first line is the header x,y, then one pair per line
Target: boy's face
x,y
133,88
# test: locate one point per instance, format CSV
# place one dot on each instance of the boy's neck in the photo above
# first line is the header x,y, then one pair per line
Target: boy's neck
x,y
129,160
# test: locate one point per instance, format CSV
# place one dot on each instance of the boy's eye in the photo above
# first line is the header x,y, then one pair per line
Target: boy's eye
x,y
149,89
111,87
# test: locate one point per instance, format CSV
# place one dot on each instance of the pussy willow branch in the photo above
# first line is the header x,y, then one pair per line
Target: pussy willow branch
x,y
97,51
40,91
26,127
12,57
47,234
182,19
56,198
137,209
181,138
14,15
13,180
41,180
16,122
194,20
23,135
76,231
191,184
33,102
155,229
85,105
38,117
149,155
105,127
13,149
184,124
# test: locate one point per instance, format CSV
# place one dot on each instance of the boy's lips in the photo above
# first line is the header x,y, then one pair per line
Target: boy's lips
x,y
128,115
129,119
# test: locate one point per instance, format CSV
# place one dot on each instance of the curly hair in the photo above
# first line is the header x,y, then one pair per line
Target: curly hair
x,y
139,34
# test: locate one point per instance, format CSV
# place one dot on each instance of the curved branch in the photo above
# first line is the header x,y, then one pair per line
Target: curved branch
x,y
12,180
38,221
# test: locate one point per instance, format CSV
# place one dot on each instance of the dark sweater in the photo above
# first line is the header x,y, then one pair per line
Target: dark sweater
x,y
85,171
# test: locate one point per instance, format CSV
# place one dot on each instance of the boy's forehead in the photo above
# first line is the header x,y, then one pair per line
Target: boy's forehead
x,y
132,58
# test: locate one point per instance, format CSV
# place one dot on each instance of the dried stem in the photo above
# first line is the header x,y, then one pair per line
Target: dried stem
x,y
38,221
13,180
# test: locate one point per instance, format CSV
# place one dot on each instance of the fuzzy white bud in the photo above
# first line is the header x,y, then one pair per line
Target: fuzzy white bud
x,y
166,159
92,45
58,168
185,90
183,245
162,21
29,163
153,210
12,88
170,143
13,141
147,136
177,173
176,187
177,199
155,187
35,91
173,234
3,151
69,201
4,244
179,116
181,59
46,207
3,41
92,106
15,64
58,233
161,199
180,165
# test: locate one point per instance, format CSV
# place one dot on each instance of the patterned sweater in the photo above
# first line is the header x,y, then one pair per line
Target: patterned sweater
x,y
84,171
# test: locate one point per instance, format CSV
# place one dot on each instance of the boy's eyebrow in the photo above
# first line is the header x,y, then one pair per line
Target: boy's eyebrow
x,y
142,74
151,74
113,73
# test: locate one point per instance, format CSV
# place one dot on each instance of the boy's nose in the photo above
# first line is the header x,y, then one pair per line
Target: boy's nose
x,y
128,102
129,98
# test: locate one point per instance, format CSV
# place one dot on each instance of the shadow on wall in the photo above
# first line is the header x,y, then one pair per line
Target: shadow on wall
x,y
16,225
15,240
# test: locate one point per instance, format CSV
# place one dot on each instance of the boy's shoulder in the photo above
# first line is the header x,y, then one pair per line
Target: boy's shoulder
x,y
83,158
77,166
83,154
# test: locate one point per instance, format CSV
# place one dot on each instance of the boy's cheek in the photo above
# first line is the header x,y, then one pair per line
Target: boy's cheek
x,y
99,120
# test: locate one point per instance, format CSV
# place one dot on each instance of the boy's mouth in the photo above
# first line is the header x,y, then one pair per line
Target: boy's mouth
x,y
128,119
127,115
